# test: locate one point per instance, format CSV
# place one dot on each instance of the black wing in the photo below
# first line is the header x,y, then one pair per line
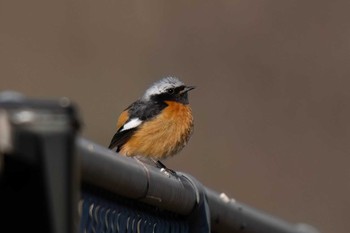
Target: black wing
x,y
120,138
141,110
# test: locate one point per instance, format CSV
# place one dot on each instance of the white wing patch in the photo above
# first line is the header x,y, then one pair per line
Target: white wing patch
x,y
133,123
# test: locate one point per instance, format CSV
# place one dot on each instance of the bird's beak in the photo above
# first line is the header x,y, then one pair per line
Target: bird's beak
x,y
187,88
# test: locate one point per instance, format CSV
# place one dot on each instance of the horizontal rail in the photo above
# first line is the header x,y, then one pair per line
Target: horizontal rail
x,y
132,179
230,214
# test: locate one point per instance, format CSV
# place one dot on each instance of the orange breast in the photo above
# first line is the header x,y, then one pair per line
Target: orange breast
x,y
163,136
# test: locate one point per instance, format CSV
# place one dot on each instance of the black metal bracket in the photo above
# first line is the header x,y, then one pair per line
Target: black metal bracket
x,y
39,183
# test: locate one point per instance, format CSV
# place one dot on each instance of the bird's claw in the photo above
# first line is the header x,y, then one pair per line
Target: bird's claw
x,y
168,172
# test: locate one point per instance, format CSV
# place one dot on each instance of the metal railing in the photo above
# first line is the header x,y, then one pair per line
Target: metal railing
x,y
39,142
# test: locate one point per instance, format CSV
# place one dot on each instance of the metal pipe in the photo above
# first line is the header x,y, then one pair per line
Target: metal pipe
x,y
132,179
230,214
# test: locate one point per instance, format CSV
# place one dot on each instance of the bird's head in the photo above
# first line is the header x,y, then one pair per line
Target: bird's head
x,y
168,89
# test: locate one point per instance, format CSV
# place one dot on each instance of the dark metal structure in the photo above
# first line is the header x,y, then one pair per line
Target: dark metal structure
x,y
39,170
50,174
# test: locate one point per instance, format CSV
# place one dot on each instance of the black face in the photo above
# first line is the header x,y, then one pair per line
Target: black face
x,y
178,94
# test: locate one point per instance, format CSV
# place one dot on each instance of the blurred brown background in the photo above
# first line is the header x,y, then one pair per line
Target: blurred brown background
x,y
271,109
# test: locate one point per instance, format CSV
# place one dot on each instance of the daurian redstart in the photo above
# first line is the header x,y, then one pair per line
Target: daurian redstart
x,y
158,125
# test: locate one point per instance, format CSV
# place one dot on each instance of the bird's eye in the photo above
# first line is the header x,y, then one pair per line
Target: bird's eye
x,y
171,91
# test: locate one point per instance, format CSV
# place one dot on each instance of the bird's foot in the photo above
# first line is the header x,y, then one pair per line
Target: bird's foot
x,y
164,169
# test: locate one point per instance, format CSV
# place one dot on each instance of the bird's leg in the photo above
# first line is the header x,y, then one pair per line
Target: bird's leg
x,y
160,164
162,167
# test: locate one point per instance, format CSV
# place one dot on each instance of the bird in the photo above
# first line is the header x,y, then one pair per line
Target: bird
x,y
156,126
